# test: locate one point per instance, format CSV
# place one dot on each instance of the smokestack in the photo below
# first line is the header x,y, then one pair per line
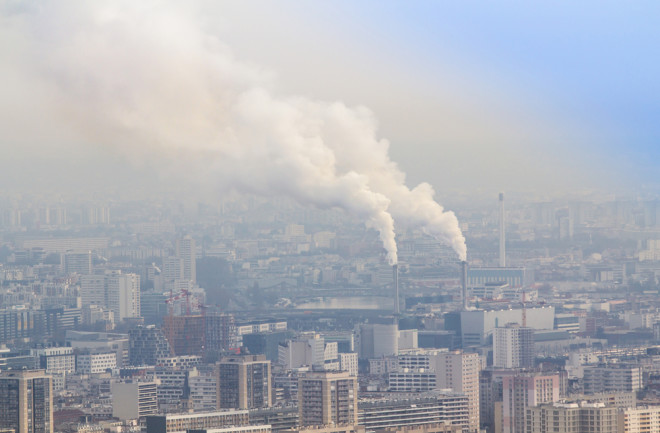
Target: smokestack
x,y
502,238
395,276
464,284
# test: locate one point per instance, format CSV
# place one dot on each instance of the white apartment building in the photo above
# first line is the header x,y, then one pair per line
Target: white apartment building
x,y
513,347
95,363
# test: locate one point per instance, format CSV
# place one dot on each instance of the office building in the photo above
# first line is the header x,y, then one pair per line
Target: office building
x,y
327,398
513,347
244,382
26,401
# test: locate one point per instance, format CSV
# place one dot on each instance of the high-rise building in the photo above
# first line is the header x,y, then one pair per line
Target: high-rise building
x,y
522,391
123,294
185,250
244,382
459,371
115,291
327,398
26,401
513,347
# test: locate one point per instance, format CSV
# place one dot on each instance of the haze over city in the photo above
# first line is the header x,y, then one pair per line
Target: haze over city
x,y
329,217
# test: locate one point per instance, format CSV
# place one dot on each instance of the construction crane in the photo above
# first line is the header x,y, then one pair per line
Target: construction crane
x,y
170,301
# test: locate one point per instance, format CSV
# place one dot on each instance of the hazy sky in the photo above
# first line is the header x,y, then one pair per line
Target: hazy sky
x,y
482,96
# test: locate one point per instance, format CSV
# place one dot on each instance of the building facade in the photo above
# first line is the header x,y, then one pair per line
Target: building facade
x,y
244,382
326,398
513,347
26,401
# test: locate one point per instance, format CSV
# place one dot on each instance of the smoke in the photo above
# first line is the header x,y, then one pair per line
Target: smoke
x,y
149,83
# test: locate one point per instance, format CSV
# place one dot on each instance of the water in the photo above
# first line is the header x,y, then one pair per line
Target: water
x,y
349,303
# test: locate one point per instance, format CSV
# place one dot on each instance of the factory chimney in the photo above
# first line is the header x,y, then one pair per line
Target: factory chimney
x,y
502,238
395,276
464,284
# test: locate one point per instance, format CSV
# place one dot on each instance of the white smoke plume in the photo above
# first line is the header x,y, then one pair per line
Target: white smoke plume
x,y
148,81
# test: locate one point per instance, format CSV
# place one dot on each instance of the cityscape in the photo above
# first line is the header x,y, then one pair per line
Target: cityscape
x,y
204,230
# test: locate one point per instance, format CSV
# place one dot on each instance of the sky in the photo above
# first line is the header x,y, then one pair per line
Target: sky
x,y
472,97
504,92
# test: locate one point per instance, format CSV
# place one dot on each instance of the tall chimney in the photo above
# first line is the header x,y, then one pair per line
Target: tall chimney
x,y
395,276
502,238
464,284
